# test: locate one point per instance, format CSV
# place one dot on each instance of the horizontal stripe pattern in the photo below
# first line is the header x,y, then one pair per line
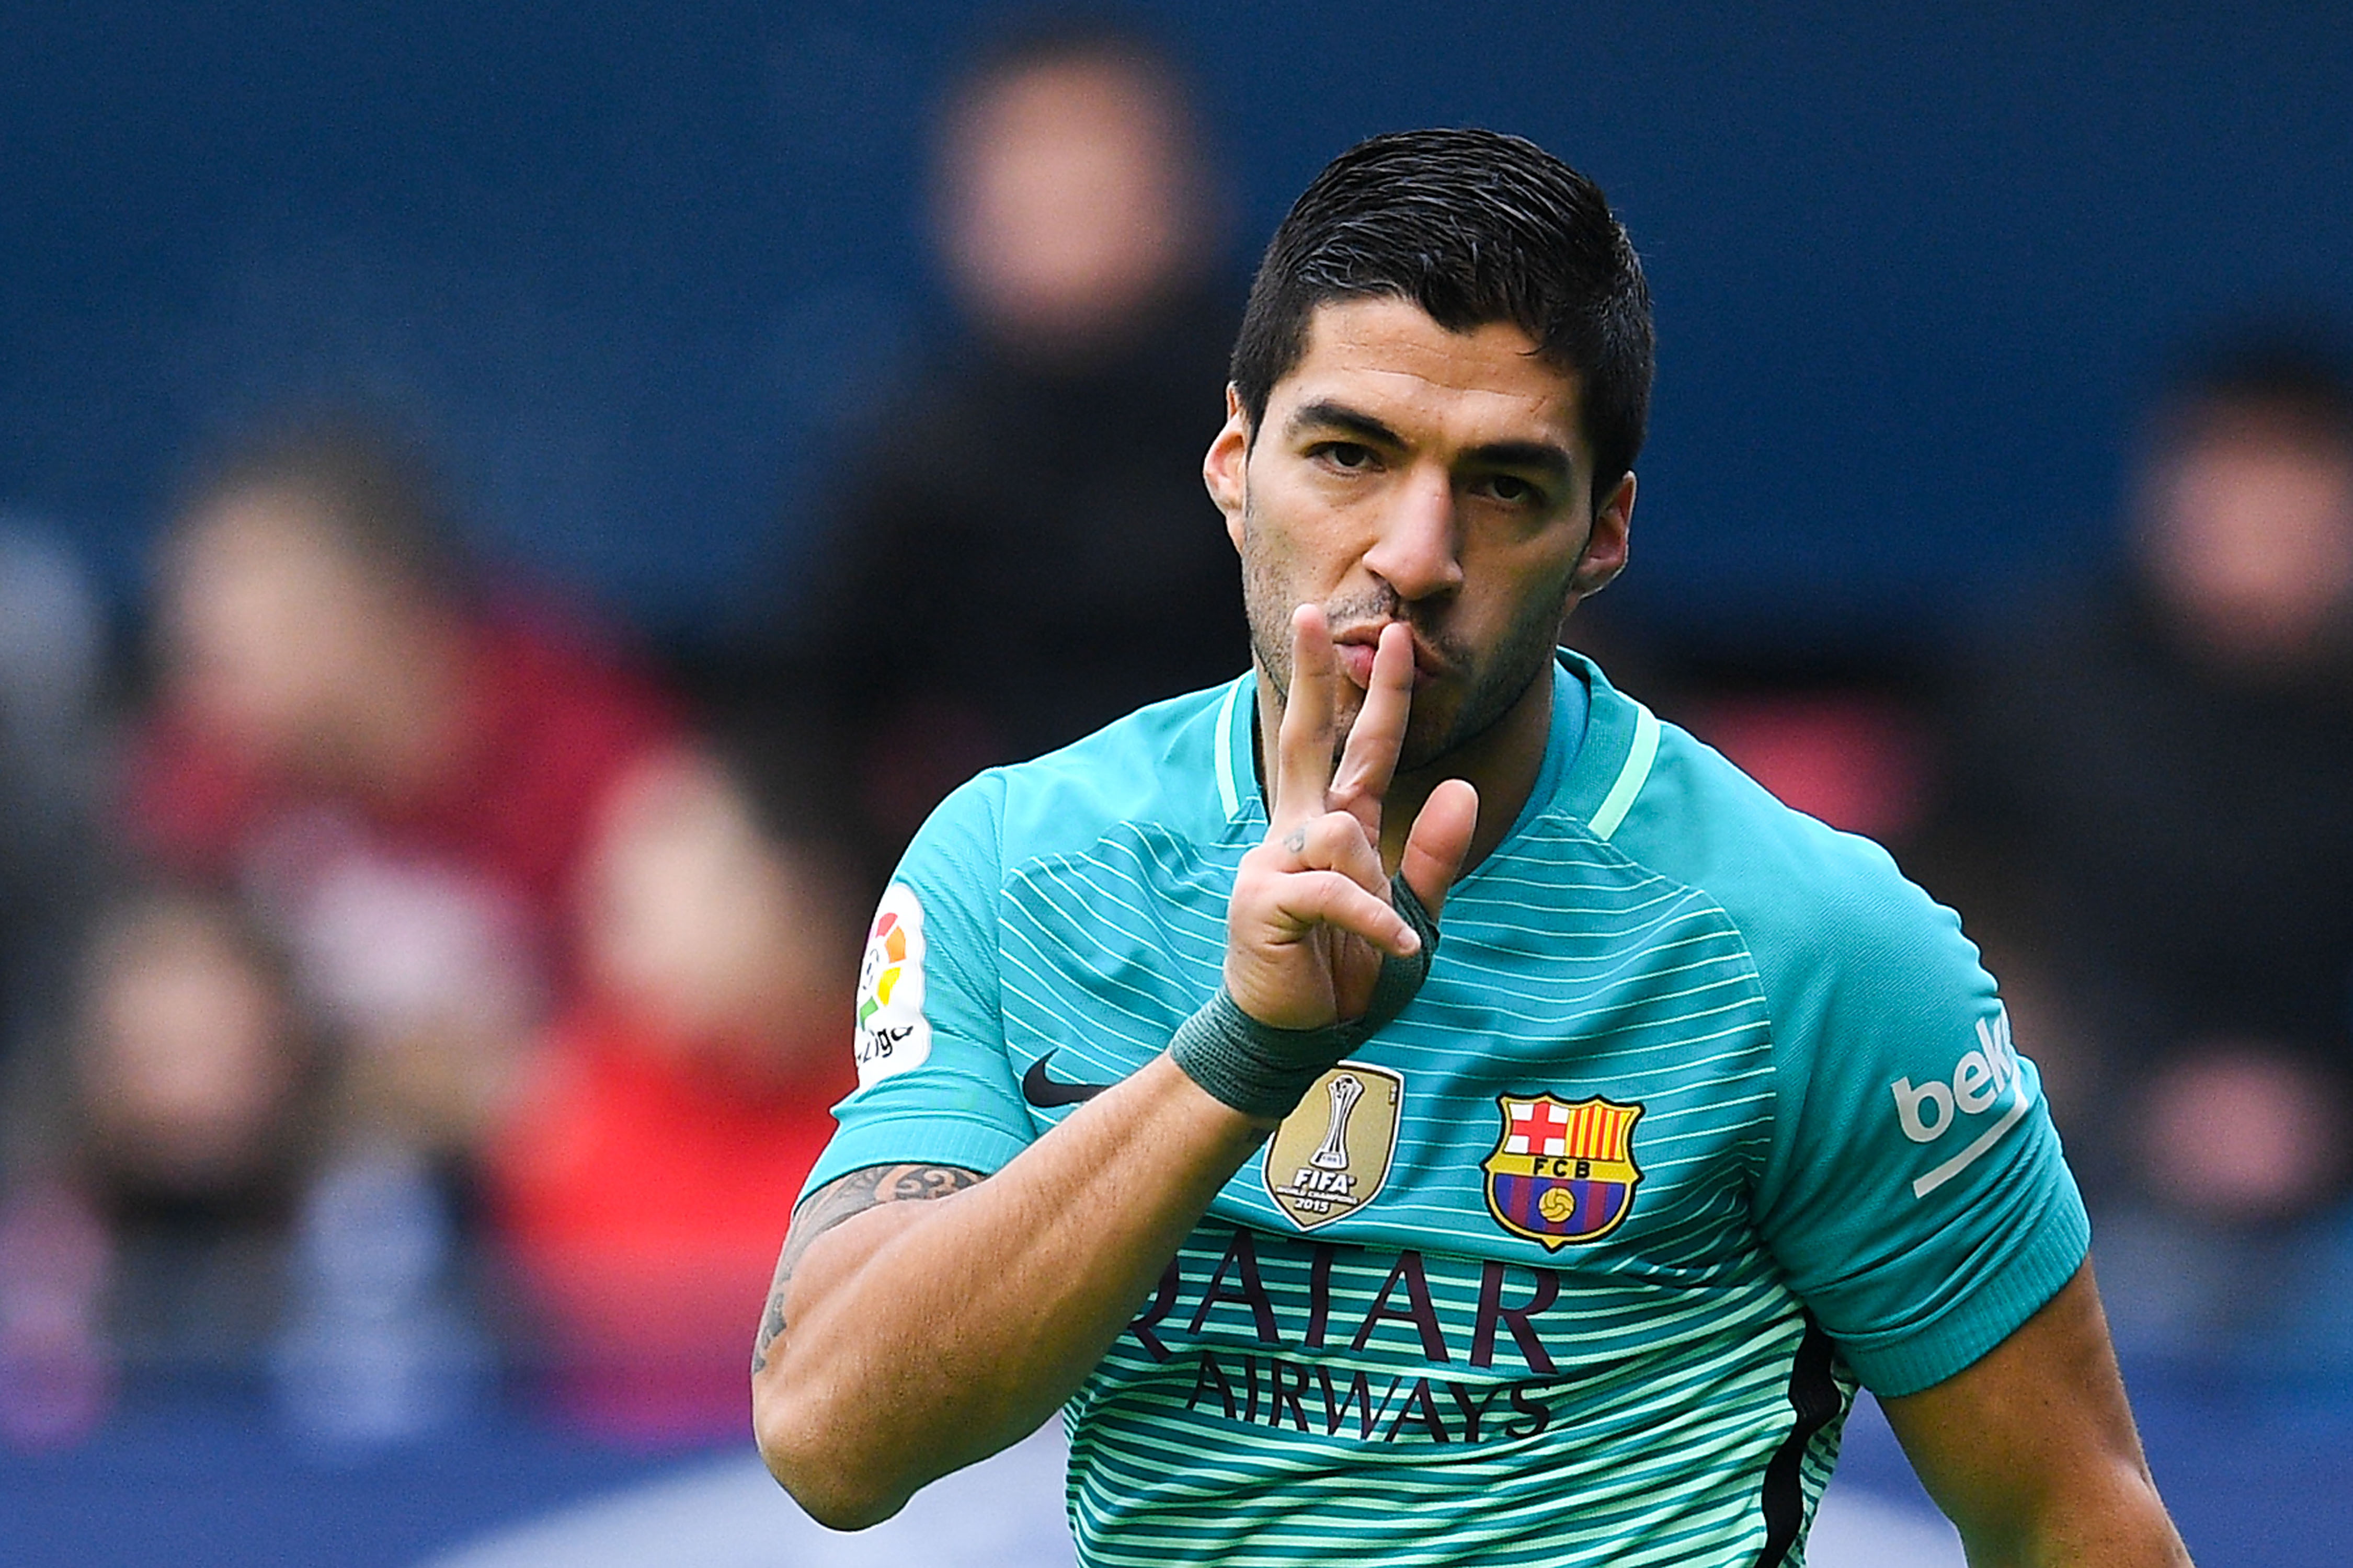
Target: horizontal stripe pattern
x,y
1641,1377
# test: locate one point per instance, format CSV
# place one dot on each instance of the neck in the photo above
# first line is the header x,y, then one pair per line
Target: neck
x,y
1500,761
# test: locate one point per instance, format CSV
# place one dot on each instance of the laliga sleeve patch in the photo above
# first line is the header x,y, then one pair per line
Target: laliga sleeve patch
x,y
893,1035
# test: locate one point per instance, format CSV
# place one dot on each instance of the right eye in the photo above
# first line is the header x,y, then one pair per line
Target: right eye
x,y
1349,454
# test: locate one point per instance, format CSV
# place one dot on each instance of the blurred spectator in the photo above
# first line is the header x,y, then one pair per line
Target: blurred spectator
x,y
644,1178
189,1065
361,796
146,1219
1845,736
1023,550
52,649
2159,780
395,775
55,1369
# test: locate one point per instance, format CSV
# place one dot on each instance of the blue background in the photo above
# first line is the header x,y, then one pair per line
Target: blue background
x,y
632,266
2256,1477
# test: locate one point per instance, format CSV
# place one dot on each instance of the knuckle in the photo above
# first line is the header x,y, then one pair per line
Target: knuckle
x,y
1332,892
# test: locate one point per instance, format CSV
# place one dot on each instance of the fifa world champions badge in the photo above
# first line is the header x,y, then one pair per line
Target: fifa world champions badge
x,y
1563,1171
893,1035
1331,1156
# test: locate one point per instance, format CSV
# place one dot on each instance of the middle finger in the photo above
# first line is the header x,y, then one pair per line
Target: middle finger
x,y
1377,736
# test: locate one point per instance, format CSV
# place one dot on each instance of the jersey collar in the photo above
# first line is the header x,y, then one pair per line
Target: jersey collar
x,y
1621,744
1594,768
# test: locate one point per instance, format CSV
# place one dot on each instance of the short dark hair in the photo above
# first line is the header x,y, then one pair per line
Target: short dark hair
x,y
2289,372
1053,39
1474,226
374,489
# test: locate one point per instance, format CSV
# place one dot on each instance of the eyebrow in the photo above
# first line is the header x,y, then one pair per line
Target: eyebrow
x,y
1324,414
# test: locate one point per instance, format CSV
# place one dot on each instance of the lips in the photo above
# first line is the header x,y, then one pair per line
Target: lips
x,y
1356,646
1357,663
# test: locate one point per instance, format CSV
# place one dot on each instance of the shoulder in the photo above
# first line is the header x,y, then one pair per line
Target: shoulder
x,y
1814,906
1166,770
548,680
1701,821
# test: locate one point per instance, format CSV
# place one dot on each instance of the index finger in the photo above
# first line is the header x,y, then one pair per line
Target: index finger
x,y
1303,762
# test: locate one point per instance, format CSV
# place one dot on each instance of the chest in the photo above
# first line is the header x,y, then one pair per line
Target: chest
x,y
1584,1086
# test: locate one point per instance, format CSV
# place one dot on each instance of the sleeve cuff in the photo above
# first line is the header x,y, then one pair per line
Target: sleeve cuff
x,y
973,1144
2025,1280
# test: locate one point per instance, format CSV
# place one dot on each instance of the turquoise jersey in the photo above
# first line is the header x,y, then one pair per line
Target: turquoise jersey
x,y
1704,1114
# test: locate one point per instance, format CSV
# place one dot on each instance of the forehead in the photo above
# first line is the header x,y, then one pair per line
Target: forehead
x,y
1386,357
262,524
1090,98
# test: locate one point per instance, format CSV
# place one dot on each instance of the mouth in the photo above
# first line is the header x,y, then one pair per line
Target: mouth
x,y
1356,646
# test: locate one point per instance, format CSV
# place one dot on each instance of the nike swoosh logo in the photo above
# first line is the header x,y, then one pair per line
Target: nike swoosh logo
x,y
1045,1093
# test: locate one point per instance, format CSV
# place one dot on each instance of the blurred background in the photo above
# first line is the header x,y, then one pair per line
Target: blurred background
x,y
509,519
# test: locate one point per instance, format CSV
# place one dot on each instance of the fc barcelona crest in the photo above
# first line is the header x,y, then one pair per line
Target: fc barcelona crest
x,y
1564,1170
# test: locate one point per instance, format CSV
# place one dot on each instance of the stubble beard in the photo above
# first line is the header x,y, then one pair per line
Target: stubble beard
x,y
1488,684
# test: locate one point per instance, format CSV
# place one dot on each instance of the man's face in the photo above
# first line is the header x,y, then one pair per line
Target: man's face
x,y
1403,472
1072,201
273,627
2248,532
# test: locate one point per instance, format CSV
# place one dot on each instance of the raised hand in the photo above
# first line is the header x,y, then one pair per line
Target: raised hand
x,y
1310,915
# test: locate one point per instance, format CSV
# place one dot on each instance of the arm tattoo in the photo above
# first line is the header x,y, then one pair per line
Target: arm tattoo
x,y
837,1201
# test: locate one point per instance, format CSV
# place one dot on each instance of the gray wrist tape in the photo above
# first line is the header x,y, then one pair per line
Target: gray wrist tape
x,y
1260,1070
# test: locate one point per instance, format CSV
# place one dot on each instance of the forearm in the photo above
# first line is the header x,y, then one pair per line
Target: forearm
x,y
922,1336
2128,1528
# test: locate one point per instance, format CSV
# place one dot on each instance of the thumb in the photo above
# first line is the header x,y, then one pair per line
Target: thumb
x,y
1439,838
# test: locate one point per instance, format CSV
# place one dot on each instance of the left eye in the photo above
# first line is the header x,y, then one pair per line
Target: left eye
x,y
1510,488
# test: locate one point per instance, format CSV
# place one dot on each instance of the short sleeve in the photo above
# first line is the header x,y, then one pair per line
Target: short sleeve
x,y
1915,1195
933,1083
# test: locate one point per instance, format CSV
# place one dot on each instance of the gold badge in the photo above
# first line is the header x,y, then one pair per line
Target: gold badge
x,y
1331,1155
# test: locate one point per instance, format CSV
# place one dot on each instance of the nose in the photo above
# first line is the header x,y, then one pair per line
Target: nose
x,y
1419,553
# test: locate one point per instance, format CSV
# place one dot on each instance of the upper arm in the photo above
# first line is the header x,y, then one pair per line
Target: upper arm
x,y
934,1083
1914,1194
1917,1199
2030,1449
845,1198
936,1107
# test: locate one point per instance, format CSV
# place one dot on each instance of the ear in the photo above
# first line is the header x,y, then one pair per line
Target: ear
x,y
1604,555
1225,469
